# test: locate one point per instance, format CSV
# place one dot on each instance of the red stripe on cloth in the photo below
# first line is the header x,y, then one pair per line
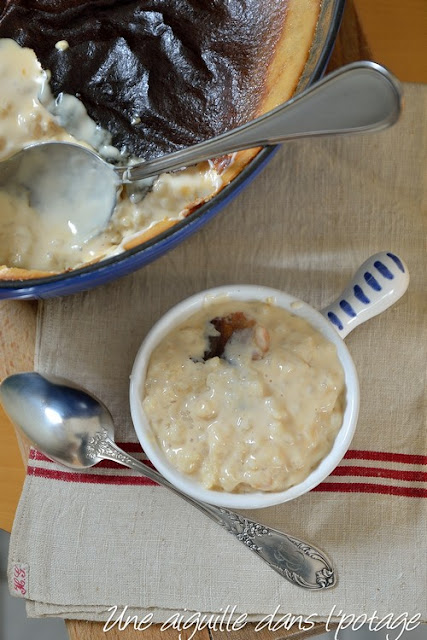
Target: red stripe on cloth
x,y
356,487
380,472
142,481
385,456
110,464
130,447
352,454
90,478
104,464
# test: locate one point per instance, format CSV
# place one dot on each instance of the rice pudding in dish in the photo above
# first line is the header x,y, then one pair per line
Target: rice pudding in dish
x,y
244,397
29,114
136,83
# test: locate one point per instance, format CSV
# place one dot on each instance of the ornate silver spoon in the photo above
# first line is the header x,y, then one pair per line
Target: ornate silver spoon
x,y
74,428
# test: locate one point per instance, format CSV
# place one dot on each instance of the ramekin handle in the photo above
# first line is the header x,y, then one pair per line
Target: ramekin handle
x,y
375,287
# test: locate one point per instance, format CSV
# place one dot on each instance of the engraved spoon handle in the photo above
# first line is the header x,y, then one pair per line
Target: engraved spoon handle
x,y
297,561
360,97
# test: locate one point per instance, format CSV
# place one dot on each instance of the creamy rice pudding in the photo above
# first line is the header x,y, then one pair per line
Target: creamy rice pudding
x,y
245,396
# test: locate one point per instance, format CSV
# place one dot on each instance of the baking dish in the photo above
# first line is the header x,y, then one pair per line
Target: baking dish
x,y
248,165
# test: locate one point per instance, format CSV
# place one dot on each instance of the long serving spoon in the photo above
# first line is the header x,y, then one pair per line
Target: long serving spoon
x,y
74,428
78,189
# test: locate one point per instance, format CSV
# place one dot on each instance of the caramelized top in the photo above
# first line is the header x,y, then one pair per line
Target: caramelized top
x,y
158,74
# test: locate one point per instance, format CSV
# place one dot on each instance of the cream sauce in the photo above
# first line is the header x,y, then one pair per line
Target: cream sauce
x,y
261,417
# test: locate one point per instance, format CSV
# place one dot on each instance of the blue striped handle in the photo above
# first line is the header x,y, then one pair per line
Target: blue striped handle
x,y
378,284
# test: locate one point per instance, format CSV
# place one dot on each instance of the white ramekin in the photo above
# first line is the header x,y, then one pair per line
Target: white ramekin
x,y
380,282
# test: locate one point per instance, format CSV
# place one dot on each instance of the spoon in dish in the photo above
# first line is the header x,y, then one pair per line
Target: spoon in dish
x,y
74,428
78,189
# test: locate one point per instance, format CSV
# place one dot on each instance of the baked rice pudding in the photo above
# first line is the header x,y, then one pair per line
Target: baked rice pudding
x,y
134,81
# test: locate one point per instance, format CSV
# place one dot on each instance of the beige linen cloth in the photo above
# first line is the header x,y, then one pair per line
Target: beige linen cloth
x,y
320,208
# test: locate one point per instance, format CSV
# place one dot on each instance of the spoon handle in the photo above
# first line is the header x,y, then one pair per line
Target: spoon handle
x,y
377,285
297,561
360,97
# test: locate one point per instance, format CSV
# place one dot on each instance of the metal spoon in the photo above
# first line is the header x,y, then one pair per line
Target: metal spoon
x,y
73,184
74,428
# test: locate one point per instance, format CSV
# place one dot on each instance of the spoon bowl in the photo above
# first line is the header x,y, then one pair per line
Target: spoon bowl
x,y
69,185
59,417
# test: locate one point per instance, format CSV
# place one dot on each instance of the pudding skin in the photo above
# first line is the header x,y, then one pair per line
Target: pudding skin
x,y
144,78
162,74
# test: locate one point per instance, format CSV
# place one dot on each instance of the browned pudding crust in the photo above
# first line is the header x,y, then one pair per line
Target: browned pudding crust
x,y
188,69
